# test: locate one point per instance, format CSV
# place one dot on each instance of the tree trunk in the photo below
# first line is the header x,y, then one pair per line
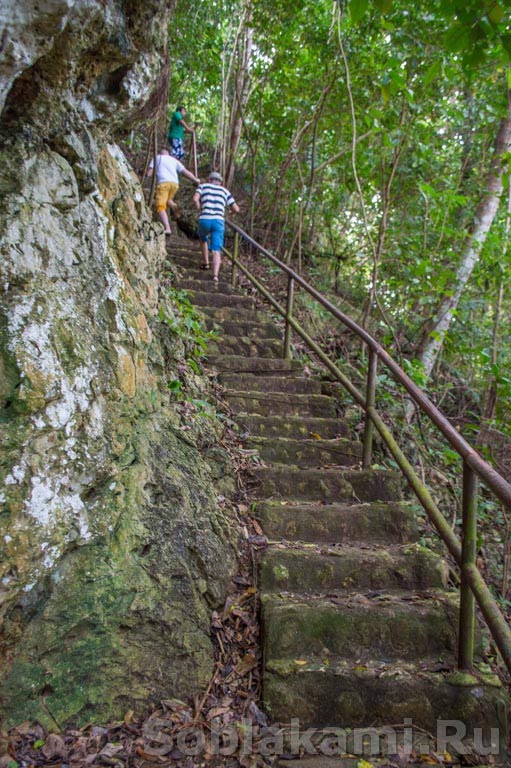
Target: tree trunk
x,y
243,53
490,400
483,219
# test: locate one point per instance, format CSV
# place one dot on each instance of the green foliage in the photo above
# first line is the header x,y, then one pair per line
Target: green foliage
x,y
415,371
179,314
370,125
427,89
182,318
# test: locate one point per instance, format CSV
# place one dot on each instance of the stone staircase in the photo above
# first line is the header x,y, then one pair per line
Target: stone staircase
x,y
358,623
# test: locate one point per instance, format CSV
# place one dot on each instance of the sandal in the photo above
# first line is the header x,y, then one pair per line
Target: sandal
x,y
204,266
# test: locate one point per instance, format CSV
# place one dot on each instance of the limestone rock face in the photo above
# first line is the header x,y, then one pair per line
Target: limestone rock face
x,y
113,547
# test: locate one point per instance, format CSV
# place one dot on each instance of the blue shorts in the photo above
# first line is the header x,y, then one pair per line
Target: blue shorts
x,y
211,231
176,148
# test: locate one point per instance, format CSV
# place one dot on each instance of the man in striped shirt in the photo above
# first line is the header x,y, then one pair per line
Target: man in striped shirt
x,y
211,200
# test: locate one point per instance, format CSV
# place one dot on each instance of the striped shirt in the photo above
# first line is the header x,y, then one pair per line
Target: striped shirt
x,y
213,199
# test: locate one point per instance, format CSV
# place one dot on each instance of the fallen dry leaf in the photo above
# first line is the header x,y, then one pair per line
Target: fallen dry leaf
x,y
54,746
246,664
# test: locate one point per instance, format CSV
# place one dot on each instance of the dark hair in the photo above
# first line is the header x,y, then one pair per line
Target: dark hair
x,y
180,108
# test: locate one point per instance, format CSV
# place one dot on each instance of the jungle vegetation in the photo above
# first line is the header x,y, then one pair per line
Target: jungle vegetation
x,y
372,140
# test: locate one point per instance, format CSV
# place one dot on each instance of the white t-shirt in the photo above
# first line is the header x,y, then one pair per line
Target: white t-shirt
x,y
167,169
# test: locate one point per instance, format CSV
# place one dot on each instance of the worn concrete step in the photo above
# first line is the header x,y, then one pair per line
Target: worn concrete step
x,y
234,314
195,272
306,453
259,366
206,275
292,426
325,691
191,263
216,299
307,569
261,330
281,404
327,485
186,264
188,259
372,523
245,345
352,743
384,625
250,383
189,284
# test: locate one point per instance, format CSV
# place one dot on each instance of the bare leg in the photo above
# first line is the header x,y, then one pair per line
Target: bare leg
x,y
216,264
205,253
165,221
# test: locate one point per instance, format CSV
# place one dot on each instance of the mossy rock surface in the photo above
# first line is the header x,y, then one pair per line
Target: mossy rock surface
x,y
114,548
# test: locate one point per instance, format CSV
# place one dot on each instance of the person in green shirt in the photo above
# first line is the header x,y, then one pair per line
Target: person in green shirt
x,y
176,132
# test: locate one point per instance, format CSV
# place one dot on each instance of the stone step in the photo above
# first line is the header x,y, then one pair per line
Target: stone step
x,y
375,746
327,485
306,453
253,330
187,259
281,404
337,391
194,272
292,426
307,569
352,743
378,523
216,299
191,262
234,314
384,626
206,275
249,383
259,366
188,284
351,694
246,346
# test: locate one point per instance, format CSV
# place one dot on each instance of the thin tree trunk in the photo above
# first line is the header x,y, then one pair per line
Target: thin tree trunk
x,y
483,219
490,400
240,98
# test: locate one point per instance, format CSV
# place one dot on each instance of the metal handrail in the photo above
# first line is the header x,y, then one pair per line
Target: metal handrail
x,y
194,152
473,587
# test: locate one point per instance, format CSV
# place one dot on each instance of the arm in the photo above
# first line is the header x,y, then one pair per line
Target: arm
x,y
234,208
190,175
187,127
196,200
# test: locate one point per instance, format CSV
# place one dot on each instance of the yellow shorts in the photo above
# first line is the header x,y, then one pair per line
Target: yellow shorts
x,y
164,193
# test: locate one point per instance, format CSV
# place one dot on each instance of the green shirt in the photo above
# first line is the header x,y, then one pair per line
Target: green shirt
x,y
176,130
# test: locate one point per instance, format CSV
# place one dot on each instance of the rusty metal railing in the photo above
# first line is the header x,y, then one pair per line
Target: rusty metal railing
x,y
473,588
193,147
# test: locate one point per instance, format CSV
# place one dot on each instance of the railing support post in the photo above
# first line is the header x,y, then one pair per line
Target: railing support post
x,y
234,274
372,364
468,559
289,313
194,151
